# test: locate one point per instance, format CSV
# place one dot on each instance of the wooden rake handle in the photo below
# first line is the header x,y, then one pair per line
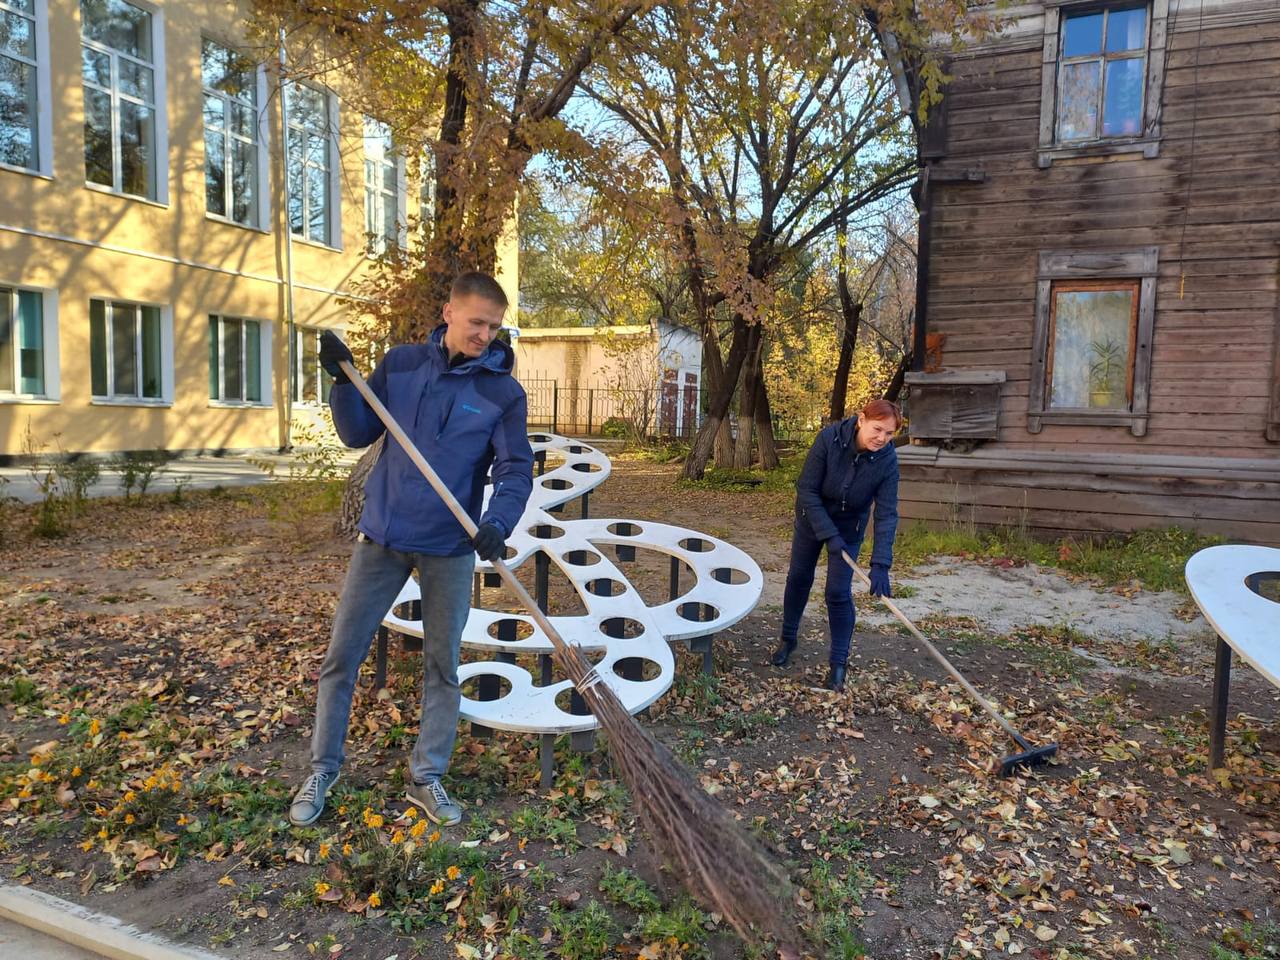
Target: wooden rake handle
x,y
450,501
937,655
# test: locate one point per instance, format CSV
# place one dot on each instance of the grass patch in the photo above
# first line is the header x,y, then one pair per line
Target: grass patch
x,y
624,888
1153,558
586,934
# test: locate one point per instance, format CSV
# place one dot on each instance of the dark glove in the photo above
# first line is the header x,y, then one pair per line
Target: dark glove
x,y
332,352
489,542
836,547
880,581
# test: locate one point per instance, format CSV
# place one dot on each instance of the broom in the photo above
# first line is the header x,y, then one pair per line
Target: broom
x,y
715,859
1029,756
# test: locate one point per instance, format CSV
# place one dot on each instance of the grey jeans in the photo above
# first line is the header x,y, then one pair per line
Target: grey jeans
x,y
373,580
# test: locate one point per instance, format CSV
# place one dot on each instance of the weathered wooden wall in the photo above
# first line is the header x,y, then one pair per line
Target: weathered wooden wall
x,y
1210,201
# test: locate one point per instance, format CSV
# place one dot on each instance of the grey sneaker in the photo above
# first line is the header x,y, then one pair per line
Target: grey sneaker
x,y
308,802
435,803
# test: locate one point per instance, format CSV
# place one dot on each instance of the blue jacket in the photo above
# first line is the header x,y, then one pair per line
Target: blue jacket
x,y
463,420
838,485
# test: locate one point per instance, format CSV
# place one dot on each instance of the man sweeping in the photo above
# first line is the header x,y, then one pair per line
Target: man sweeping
x,y
459,403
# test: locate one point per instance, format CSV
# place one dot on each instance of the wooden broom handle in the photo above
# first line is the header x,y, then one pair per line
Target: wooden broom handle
x,y
451,502
956,675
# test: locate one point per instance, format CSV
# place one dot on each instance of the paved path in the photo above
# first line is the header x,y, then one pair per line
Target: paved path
x,y
195,473
17,941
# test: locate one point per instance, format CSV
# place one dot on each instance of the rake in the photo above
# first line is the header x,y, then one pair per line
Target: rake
x,y
698,838
1029,756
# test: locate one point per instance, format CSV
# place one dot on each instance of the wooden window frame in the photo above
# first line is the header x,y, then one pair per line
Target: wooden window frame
x,y
1148,144
1091,270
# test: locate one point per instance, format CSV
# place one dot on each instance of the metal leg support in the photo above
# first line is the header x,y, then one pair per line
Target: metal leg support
x,y
547,758
1218,709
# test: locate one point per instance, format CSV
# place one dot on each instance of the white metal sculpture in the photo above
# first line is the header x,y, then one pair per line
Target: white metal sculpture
x,y
622,635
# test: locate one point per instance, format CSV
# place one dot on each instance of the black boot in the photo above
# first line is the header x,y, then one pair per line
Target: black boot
x,y
782,654
835,679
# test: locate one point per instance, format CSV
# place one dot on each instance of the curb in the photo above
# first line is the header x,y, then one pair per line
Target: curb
x,y
83,928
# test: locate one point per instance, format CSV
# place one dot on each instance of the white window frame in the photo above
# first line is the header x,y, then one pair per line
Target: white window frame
x,y
264,363
43,140
297,377
334,239
166,355
262,133
49,333
160,170
375,154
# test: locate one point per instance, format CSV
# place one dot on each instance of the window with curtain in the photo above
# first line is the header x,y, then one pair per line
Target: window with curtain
x,y
1092,330
310,151
118,67
230,134
125,351
235,360
22,350
19,117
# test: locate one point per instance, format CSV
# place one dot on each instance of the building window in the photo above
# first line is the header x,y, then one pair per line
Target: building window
x,y
237,360
1101,72
311,382
1103,78
20,120
311,151
231,147
383,188
118,61
1092,326
1091,360
126,351
22,343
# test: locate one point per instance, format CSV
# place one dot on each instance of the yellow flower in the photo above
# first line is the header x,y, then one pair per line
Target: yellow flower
x,y
321,888
324,851
102,834
411,813
87,845
346,849
418,829
453,872
64,719
37,759
434,836
92,785
76,771
437,887
342,809
24,793
375,821
122,735
129,796
128,818
374,899
94,727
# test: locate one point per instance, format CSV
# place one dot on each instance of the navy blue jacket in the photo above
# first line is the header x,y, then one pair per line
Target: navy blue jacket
x,y
838,485
463,420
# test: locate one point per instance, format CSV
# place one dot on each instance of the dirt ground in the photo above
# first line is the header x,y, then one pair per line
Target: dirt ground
x,y
190,634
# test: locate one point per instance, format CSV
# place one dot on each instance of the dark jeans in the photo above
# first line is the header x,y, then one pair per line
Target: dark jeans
x,y
805,549
374,579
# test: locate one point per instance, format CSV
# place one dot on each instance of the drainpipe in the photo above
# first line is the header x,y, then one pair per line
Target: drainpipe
x,y
288,256
924,204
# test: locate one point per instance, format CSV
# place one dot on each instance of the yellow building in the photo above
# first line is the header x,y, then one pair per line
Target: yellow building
x,y
156,241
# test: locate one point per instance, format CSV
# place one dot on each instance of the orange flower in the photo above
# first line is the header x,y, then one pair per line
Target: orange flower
x,y
374,899
321,888
453,872
418,829
437,887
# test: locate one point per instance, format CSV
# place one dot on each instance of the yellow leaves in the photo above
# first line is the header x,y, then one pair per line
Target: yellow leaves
x,y
617,843
226,881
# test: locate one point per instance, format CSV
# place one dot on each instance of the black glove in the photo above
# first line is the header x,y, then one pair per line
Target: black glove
x,y
836,547
880,581
489,542
332,352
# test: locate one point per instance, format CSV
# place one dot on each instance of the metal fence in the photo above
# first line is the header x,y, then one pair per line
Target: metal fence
x,y
610,411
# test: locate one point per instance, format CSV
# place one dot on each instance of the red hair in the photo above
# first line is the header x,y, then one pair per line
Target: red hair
x,y
882,410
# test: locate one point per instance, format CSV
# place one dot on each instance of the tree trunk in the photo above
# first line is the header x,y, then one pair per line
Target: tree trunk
x,y
353,494
894,390
747,400
848,340
695,464
764,427
724,445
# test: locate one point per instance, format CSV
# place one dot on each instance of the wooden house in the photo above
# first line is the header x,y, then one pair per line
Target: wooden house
x,y
1100,250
